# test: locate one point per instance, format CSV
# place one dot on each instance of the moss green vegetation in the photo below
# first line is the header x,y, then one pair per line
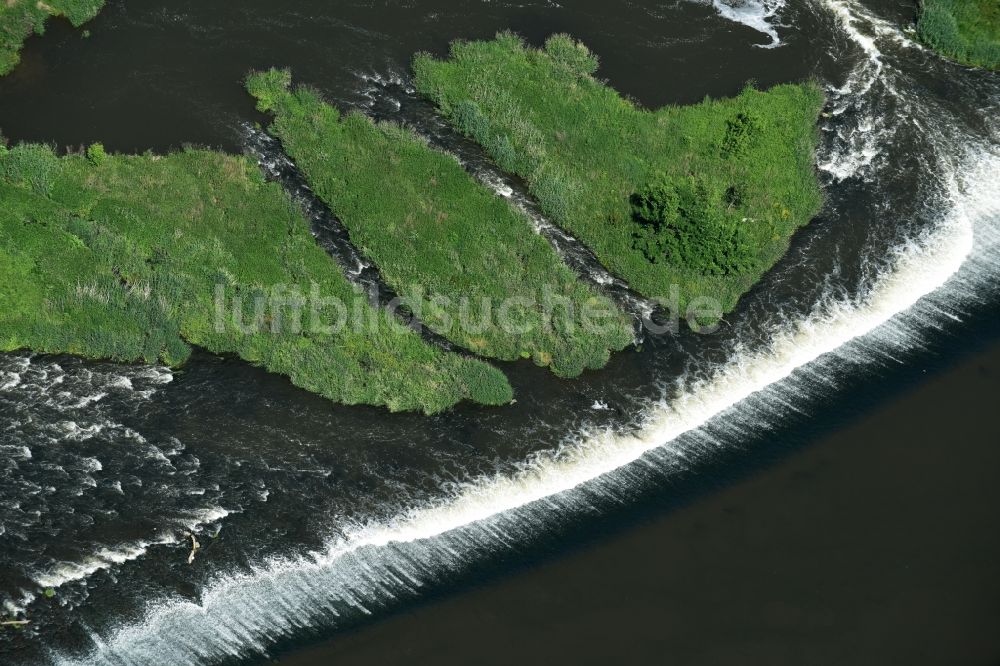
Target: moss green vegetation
x,y
458,254
704,197
119,257
967,31
21,18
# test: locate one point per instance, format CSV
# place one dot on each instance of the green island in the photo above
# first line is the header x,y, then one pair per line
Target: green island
x,y
699,199
122,257
139,257
462,257
967,31
19,19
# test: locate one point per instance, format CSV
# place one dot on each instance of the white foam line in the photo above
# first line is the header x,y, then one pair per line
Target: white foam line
x,y
106,558
920,267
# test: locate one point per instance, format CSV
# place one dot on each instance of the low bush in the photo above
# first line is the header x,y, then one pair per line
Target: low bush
x,y
96,154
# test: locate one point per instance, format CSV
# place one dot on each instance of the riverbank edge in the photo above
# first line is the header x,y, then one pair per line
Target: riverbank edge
x,y
939,30
20,19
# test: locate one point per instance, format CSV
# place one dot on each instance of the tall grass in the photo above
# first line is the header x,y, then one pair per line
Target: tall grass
x,y
19,19
967,31
116,256
587,153
449,245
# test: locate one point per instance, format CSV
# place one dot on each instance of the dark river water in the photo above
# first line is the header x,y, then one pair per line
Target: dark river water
x,y
318,521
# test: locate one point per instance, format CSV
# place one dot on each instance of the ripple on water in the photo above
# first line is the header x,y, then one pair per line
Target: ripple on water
x,y
86,475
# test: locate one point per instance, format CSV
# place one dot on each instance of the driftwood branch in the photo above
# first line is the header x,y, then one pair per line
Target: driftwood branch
x,y
194,548
14,623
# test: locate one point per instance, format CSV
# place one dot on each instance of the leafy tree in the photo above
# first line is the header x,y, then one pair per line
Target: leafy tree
x,y
684,222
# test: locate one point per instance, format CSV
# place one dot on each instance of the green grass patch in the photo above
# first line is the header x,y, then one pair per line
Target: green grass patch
x,y
467,262
125,257
736,175
19,19
967,31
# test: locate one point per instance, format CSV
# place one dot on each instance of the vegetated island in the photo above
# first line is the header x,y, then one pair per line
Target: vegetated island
x,y
19,19
463,258
967,31
702,199
134,258
122,257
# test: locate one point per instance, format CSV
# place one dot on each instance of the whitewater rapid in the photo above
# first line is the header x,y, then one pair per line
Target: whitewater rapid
x,y
759,15
59,411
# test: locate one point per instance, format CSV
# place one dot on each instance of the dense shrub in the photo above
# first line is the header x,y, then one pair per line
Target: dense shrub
x,y
470,119
684,223
742,130
269,87
33,165
96,154
571,54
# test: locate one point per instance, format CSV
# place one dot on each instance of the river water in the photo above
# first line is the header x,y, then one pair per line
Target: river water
x,y
314,518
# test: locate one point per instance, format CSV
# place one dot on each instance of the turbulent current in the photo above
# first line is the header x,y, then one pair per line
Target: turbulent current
x,y
313,517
